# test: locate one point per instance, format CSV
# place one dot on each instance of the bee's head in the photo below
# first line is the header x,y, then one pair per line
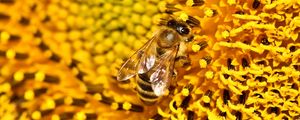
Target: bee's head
x,y
180,27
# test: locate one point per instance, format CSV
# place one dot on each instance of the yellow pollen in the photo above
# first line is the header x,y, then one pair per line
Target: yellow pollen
x,y
184,16
80,116
126,106
6,87
4,37
19,76
48,104
189,3
55,117
185,92
196,47
115,106
209,12
29,95
225,34
39,76
231,2
10,54
68,100
202,63
36,115
209,74
206,99
97,96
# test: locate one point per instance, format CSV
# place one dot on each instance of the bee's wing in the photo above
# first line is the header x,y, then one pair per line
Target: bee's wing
x,y
129,68
161,78
148,59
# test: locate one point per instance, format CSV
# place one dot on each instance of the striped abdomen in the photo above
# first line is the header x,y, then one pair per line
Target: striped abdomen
x,y
145,90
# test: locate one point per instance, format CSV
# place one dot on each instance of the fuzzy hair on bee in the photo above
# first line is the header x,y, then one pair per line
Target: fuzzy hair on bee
x,y
153,64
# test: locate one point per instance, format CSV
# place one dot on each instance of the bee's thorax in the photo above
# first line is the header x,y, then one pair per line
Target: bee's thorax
x,y
168,38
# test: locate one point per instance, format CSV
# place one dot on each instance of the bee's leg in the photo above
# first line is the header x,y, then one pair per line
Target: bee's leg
x,y
182,58
173,82
174,74
182,61
190,38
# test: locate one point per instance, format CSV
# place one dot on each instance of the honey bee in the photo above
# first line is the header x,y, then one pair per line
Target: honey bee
x,y
153,63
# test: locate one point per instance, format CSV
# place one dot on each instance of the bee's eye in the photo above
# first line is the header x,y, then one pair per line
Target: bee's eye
x,y
183,30
171,23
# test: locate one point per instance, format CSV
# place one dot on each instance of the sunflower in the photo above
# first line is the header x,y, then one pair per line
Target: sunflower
x,y
59,59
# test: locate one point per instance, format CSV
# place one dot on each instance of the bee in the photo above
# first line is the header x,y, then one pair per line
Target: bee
x,y
153,63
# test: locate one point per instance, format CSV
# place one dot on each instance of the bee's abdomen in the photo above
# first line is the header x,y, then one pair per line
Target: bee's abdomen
x,y
145,90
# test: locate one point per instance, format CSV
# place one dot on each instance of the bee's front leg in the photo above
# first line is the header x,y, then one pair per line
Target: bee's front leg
x,y
182,61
